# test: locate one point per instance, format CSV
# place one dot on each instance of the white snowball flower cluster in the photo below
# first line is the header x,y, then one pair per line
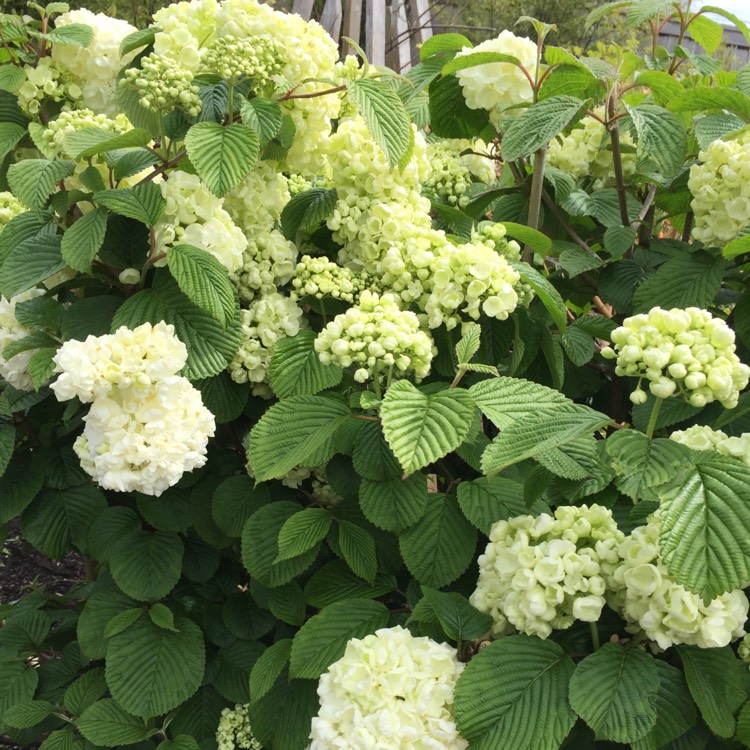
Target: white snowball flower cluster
x,y
195,216
10,207
452,172
268,319
51,142
541,573
15,370
256,203
498,86
320,277
687,353
720,185
184,30
267,264
94,68
163,85
378,338
147,425
703,438
583,152
391,691
649,598
45,82
234,730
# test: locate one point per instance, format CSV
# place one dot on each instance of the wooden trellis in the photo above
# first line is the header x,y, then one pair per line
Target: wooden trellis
x,y
392,32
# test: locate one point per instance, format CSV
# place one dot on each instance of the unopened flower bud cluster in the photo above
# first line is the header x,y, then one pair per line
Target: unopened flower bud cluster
x,y
268,319
10,207
259,58
498,86
680,352
15,370
703,438
52,139
195,216
718,183
95,67
234,731
147,425
541,573
320,277
378,339
163,85
452,171
392,691
648,597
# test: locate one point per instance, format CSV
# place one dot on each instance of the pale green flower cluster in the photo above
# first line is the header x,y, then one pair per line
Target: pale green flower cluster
x,y
15,370
44,82
256,203
51,141
703,438
743,650
268,319
452,171
649,598
10,207
320,277
184,31
542,573
94,68
497,86
378,338
234,730
720,184
163,85
687,353
258,58
392,691
267,264
583,152
147,425
195,216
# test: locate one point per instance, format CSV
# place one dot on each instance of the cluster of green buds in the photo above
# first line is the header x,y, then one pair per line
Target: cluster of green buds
x,y
320,277
257,57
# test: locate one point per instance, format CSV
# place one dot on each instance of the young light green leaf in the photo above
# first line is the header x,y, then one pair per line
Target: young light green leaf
x,y
222,156
422,428
538,241
83,240
514,693
80,144
11,77
479,58
204,281
660,137
469,344
73,33
264,116
323,638
385,116
443,43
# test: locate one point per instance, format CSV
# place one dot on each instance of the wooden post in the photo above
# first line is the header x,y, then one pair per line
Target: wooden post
x,y
421,20
400,36
330,18
375,31
352,23
303,7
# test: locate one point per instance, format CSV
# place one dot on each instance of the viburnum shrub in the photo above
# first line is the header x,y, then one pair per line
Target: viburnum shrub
x,y
385,412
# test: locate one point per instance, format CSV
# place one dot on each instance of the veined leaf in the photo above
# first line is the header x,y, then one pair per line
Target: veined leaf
x,y
473,59
485,501
394,504
106,723
358,549
78,34
222,156
32,181
386,118
547,293
10,134
291,431
268,668
661,139
538,241
296,369
143,203
307,210
11,77
713,99
323,638
615,691
459,619
514,693
264,116
80,144
83,240
421,428
441,43
705,533
303,531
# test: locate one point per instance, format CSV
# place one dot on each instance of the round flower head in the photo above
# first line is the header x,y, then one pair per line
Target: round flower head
x,y
377,338
268,263
15,370
51,142
234,730
649,598
452,172
541,573
498,86
703,438
721,201
145,439
687,353
163,85
135,358
94,67
184,30
389,691
319,277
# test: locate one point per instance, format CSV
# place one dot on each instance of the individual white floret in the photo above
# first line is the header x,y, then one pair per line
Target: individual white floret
x,y
389,691
497,87
680,352
378,339
15,370
143,439
46,82
541,573
649,598
136,358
